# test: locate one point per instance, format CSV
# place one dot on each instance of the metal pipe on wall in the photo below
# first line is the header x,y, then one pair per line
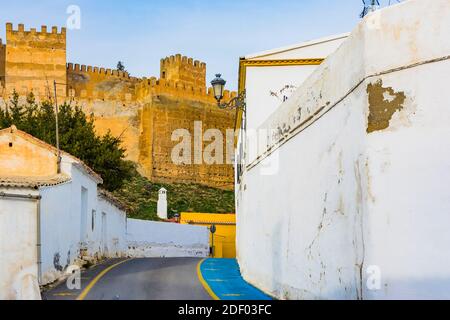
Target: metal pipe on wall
x,y
38,240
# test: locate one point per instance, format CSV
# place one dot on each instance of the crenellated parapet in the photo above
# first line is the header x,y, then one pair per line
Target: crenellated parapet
x,y
98,71
153,86
89,82
179,60
144,112
184,70
32,58
34,38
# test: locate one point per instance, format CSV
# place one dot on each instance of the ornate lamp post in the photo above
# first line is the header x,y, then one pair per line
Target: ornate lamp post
x,y
238,102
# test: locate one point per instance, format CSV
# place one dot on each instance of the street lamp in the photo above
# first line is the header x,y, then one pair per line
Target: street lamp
x,y
218,85
237,102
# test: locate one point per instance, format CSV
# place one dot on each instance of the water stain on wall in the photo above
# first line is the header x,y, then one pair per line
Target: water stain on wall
x,y
383,103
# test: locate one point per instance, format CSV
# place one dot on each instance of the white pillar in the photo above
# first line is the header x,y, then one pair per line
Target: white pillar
x,y
162,203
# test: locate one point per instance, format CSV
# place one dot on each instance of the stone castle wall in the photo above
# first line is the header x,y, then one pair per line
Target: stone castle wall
x,y
184,70
167,113
2,65
89,82
33,60
143,112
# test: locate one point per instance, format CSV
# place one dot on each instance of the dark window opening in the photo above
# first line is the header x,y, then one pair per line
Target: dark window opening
x,y
10,144
93,220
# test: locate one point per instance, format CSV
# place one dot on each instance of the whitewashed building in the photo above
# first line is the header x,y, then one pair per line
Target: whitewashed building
x,y
52,218
49,220
270,77
346,196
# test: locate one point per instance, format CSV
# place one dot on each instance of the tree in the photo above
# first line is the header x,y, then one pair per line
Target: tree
x,y
103,154
121,66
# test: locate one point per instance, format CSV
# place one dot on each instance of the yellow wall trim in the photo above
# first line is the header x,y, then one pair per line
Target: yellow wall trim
x,y
244,63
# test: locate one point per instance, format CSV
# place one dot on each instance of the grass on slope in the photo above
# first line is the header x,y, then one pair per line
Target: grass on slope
x,y
141,196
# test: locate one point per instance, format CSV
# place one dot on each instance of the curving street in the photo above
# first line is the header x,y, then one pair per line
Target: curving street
x,y
137,279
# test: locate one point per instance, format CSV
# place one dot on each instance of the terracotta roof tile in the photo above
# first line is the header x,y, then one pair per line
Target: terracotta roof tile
x,y
112,199
33,182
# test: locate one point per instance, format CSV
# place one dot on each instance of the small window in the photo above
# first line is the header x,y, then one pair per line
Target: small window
x,y
10,144
164,75
93,220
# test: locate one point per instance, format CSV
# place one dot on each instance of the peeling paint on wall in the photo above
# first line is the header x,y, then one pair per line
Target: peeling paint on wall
x,y
383,103
56,262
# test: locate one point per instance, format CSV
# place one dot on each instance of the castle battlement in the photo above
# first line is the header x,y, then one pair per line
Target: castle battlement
x,y
33,59
32,34
99,71
147,87
179,61
181,76
184,70
89,82
143,111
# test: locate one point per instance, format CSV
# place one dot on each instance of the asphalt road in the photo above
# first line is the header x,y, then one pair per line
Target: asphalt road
x,y
140,279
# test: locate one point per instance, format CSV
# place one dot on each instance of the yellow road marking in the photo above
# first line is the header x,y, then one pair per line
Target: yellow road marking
x,y
204,283
64,294
89,287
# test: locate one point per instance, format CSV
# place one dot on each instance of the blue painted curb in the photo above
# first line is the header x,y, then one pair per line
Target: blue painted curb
x,y
224,278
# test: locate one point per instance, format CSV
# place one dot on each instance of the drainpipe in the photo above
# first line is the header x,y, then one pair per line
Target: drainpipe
x,y
39,241
38,220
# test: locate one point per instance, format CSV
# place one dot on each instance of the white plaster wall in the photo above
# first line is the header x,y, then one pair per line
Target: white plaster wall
x,y
344,201
261,81
160,239
59,232
318,48
87,236
61,238
298,227
18,240
116,225
408,204
61,224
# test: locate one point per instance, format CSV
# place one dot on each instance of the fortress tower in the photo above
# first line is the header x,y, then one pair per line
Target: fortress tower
x,y
2,65
184,71
144,112
33,60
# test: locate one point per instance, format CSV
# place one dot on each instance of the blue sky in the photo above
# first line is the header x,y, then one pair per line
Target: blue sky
x,y
141,32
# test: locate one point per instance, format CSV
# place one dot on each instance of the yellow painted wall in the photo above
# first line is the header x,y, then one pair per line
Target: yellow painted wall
x,y
20,157
225,236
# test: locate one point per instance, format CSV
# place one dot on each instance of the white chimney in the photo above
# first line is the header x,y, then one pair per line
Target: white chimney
x,y
162,204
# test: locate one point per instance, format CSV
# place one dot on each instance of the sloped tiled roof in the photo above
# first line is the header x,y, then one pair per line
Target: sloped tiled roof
x,y
33,182
112,199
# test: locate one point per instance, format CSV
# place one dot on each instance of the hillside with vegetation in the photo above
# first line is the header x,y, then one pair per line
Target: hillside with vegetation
x,y
141,196
106,156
